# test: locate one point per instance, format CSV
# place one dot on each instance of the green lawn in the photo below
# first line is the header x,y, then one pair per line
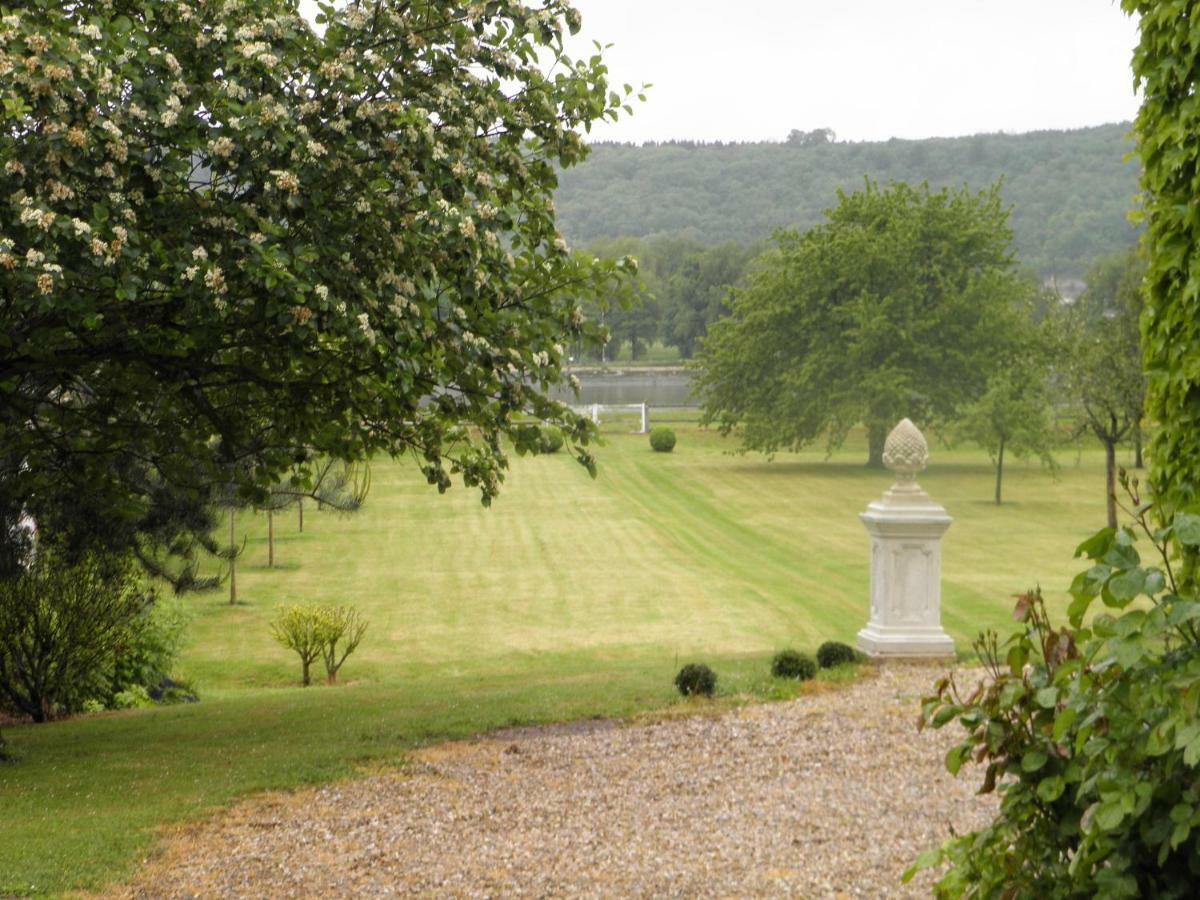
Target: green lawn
x,y
568,598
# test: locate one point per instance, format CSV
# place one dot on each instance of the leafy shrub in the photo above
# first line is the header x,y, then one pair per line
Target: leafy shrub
x,y
662,439
135,697
790,664
300,628
343,630
834,653
1093,731
696,679
550,440
148,657
62,625
329,633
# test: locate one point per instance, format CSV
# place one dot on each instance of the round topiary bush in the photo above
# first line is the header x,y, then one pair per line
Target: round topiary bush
x,y
550,439
696,679
790,664
834,653
662,439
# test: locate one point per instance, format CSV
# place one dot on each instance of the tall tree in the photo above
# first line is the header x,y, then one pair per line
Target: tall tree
x,y
1102,358
220,223
899,305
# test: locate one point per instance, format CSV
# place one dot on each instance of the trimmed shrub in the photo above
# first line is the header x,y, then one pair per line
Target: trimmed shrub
x,y
835,653
696,679
790,664
662,439
550,440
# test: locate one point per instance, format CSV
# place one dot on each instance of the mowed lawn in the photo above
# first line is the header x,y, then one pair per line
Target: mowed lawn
x,y
570,597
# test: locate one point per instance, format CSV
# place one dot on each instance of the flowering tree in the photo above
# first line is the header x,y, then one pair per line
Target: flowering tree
x,y
230,243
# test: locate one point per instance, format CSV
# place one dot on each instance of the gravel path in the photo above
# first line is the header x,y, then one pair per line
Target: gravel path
x,y
827,796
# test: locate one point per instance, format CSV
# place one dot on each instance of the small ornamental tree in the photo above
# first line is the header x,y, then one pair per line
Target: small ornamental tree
x,y
301,629
343,630
232,243
1013,417
1101,359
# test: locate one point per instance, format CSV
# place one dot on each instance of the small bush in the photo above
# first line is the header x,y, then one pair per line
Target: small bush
x,y
696,679
329,633
342,625
136,697
662,439
834,653
790,664
550,440
146,660
299,628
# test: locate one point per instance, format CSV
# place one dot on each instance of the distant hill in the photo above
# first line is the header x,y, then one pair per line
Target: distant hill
x,y
1071,191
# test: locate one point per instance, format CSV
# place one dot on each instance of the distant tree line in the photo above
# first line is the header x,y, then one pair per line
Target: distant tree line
x,y
1070,191
683,288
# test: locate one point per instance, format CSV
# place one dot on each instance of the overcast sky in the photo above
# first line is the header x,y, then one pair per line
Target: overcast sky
x,y
868,69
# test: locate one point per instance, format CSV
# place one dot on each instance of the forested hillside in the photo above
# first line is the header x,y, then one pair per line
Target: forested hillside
x,y
1070,191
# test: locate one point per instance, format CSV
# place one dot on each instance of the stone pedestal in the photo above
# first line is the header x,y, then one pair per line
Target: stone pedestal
x,y
906,527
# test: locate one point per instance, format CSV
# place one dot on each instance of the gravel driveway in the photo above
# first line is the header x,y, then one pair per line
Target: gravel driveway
x,y
830,795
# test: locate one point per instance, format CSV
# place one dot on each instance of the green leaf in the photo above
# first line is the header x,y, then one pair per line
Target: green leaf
x,y
1047,697
1078,609
1063,722
944,715
1187,529
1097,545
1050,789
956,757
1127,585
926,860
1109,815
1122,555
1033,761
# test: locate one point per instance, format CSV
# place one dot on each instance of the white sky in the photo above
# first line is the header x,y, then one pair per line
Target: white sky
x,y
868,69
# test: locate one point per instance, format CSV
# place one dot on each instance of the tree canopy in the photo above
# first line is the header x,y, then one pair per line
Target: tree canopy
x,y
232,244
899,305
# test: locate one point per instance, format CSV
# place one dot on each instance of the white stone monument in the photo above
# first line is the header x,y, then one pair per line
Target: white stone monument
x,y
906,528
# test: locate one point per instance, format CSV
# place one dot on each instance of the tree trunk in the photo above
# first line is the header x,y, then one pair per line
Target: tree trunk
x,y
876,435
270,539
232,559
1138,463
305,678
1110,465
300,511
999,470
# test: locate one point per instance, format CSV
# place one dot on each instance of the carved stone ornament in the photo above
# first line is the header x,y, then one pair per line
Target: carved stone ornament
x,y
906,453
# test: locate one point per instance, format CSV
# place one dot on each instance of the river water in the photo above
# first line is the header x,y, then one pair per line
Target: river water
x,y
669,387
